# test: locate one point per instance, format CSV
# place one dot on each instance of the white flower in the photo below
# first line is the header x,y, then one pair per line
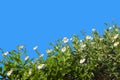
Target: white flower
x,y
83,46
88,37
20,47
26,58
30,71
63,49
81,41
41,55
49,50
35,47
116,44
82,61
116,36
113,40
116,29
65,40
5,53
101,39
9,72
56,47
40,66
93,30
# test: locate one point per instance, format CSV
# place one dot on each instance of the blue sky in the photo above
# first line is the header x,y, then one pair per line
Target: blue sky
x,y
39,22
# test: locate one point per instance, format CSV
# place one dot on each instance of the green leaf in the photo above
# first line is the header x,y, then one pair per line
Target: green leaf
x,y
0,69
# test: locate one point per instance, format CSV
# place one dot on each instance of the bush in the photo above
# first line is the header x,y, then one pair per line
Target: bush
x,y
93,58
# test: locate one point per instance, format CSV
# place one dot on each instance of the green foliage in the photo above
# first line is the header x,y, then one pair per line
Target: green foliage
x,y
93,58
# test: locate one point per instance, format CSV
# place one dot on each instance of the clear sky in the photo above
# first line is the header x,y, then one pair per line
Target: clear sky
x,y
39,22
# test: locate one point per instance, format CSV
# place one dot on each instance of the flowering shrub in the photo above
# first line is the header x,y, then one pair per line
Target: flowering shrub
x,y
95,57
